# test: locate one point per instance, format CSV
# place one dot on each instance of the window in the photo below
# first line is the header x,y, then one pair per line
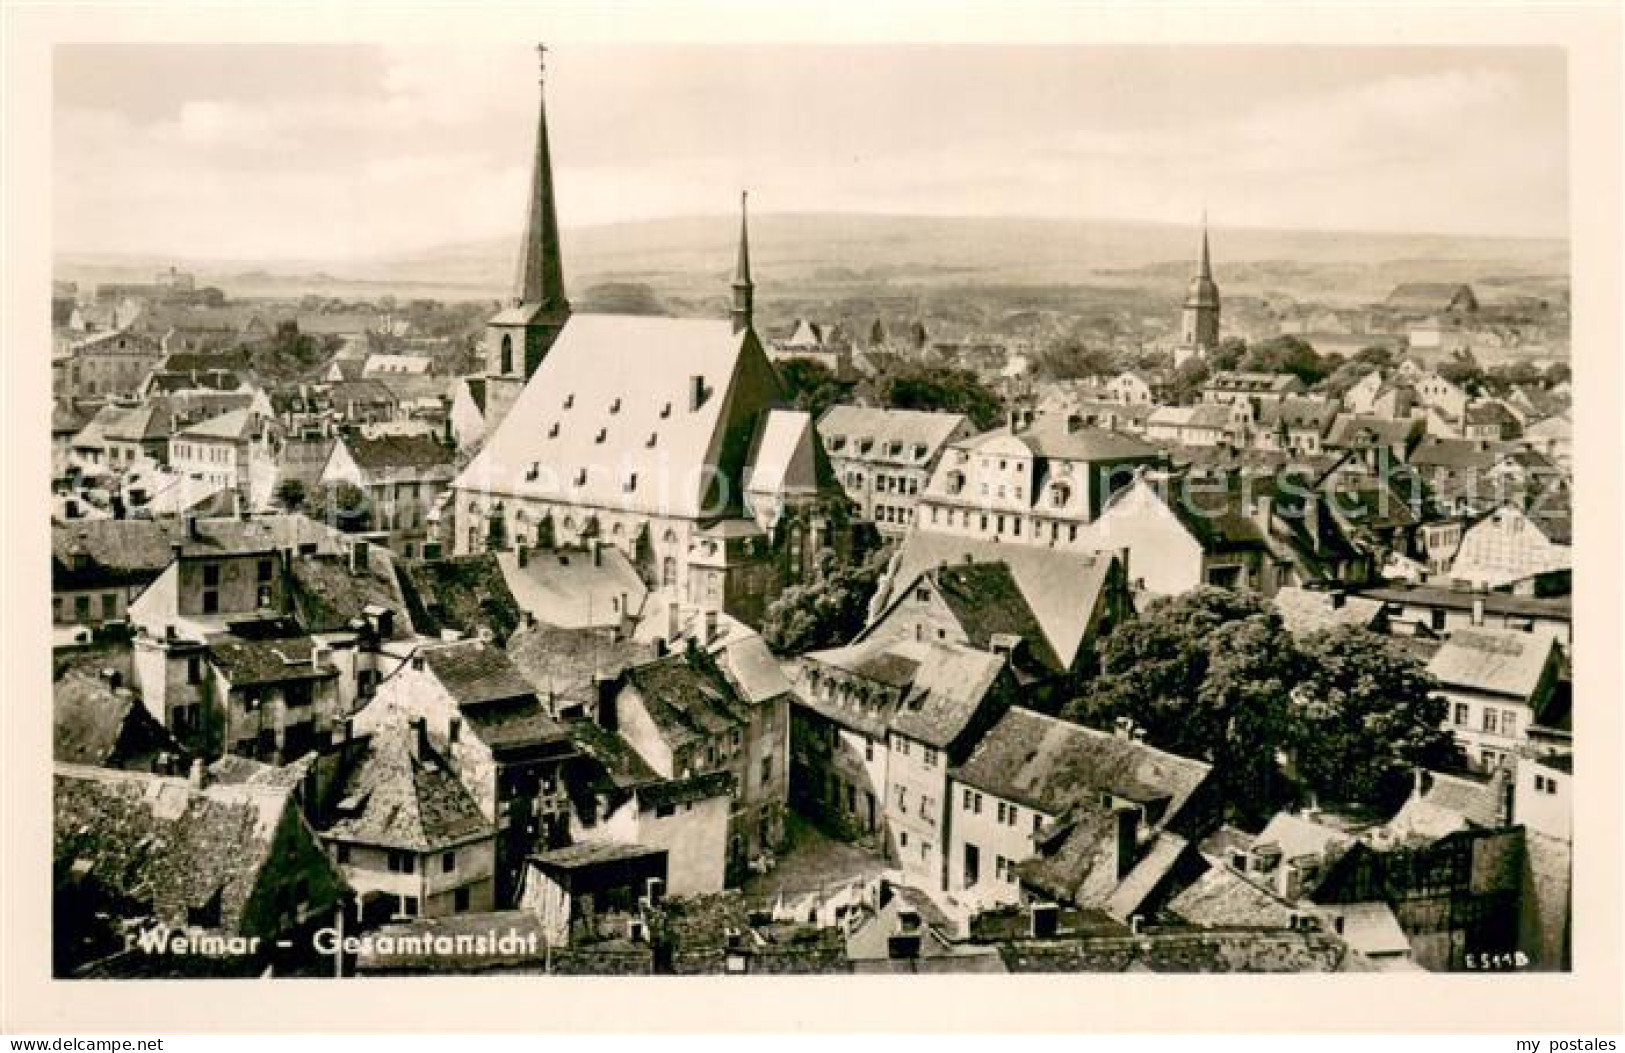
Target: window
x,y
409,906
902,798
211,575
930,757
928,810
1509,722
211,601
1001,811
868,749
902,839
81,608
902,747
1551,785
1462,714
402,863
1013,814
1038,821
767,769
972,802
448,862
262,571
1490,713
109,606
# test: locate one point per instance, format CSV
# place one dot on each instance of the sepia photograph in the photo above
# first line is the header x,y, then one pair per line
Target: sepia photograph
x,y
531,507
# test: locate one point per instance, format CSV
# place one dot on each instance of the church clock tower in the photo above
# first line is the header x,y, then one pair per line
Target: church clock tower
x,y
1199,319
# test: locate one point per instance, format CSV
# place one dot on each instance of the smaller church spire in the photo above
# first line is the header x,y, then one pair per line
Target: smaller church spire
x,y
744,289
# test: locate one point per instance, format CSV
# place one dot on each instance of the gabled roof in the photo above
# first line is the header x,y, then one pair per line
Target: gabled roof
x,y
1253,383
575,588
386,456
398,797
687,698
986,601
1053,766
466,594
279,661
785,455
1455,454
160,842
567,663
97,551
948,690
1501,662
1356,430
474,672
235,425
1059,588
625,384
96,724
920,433
1299,414
328,595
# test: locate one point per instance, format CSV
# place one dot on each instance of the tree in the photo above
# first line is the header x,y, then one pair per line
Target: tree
x,y
1287,354
945,389
291,494
1228,354
827,610
1368,716
811,385
1376,355
1462,370
1345,377
1186,384
1071,360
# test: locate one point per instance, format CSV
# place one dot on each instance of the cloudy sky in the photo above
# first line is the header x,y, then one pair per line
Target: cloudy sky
x,y
334,151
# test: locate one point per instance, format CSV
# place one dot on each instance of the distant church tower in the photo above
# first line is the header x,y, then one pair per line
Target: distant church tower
x,y
1199,320
743,288
518,338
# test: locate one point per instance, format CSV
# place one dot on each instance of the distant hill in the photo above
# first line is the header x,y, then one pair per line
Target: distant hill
x,y
811,256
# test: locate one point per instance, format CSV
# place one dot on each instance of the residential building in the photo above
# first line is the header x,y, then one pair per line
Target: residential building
x,y
1497,684
238,450
1248,394
179,855
500,739
883,458
111,363
402,476
1042,486
1528,553
405,833
1068,811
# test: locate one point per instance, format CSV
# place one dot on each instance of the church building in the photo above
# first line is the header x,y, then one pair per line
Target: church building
x,y
1199,319
660,436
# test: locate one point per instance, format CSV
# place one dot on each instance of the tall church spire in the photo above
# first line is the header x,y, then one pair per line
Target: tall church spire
x,y
1205,267
743,288
540,278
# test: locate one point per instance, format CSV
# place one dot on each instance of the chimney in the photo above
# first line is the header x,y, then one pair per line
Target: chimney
x,y
198,777
696,392
1128,831
1123,727
420,738
112,678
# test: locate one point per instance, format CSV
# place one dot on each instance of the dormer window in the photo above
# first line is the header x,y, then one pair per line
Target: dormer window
x,y
920,451
837,442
